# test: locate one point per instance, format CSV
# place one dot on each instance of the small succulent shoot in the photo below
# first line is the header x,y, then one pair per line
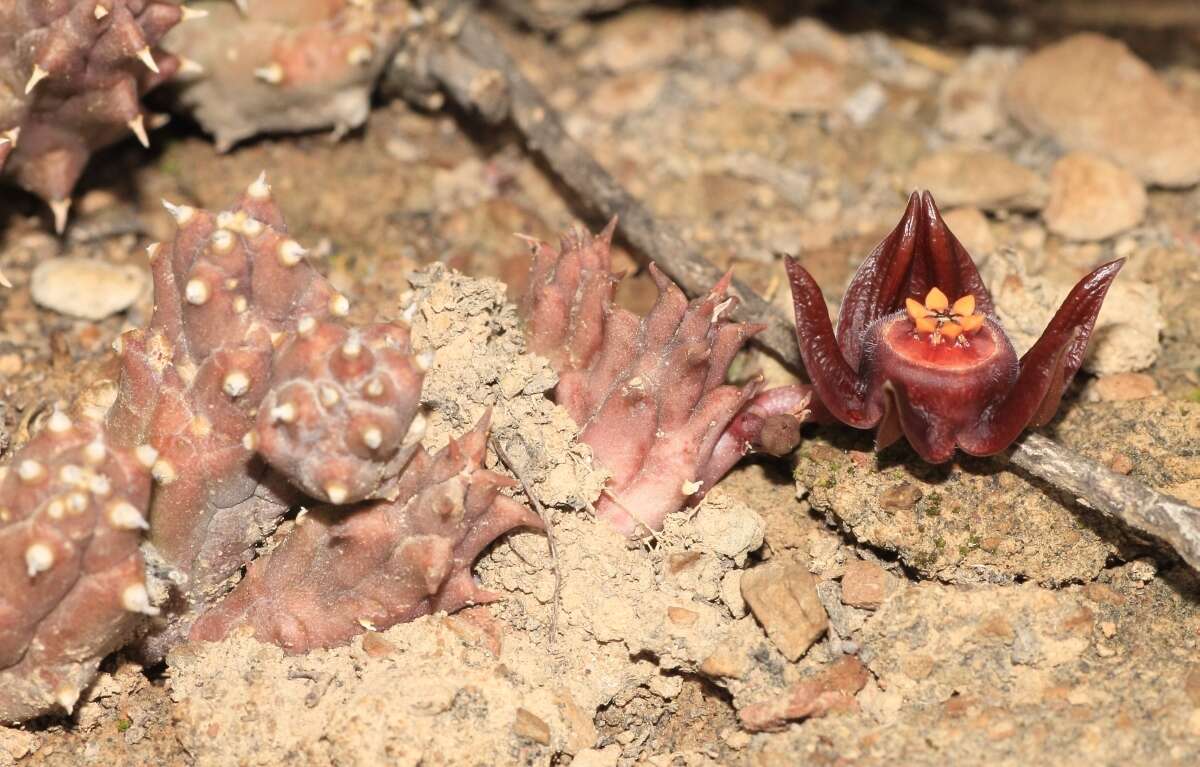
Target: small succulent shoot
x,y
649,393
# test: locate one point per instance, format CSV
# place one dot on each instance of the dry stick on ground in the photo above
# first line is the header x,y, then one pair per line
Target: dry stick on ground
x,y
594,186
1113,495
550,542
1166,518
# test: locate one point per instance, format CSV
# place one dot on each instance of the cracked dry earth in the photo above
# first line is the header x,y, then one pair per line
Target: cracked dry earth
x,y
833,607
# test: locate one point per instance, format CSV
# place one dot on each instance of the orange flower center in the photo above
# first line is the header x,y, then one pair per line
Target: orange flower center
x,y
941,320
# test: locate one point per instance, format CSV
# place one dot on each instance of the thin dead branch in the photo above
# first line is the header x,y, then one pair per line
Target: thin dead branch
x,y
1164,517
540,510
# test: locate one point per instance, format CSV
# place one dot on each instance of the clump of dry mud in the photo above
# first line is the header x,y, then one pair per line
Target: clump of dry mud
x,y
980,521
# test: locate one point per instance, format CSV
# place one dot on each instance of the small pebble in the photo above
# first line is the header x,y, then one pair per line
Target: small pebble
x,y
980,178
1123,387
85,288
1092,199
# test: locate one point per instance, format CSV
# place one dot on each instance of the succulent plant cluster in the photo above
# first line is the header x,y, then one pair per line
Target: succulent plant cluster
x,y
251,393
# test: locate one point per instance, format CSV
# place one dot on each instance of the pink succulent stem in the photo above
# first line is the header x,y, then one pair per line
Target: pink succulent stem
x,y
649,394
342,570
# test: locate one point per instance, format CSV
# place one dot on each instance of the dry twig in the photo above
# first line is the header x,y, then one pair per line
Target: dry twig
x,y
545,516
1162,516
1173,522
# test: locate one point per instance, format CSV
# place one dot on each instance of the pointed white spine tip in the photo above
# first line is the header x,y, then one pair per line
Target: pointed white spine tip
x,y
222,241
336,493
59,422
152,250
77,503
372,437
146,57
12,135
360,55
99,12
146,455
252,227
416,430
250,440
181,213
352,348
30,471
329,395
259,189
136,599
99,485
285,413
67,696
720,309
200,426
163,472
291,252
691,487
424,361
35,77
306,325
125,516
95,452
71,474
196,292
192,14
138,126
190,67
339,305
236,383
272,73
367,624
38,559
374,388
60,209
240,305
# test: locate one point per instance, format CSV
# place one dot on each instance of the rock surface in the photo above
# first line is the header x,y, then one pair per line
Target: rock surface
x,y
1092,199
1126,336
783,597
86,288
980,178
969,99
971,227
1090,92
